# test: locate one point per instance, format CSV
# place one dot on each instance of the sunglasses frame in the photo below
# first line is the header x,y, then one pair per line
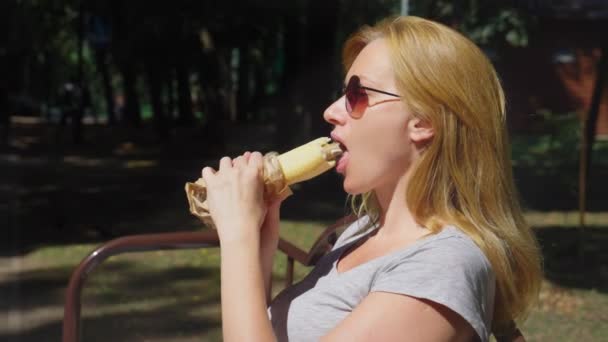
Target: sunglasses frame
x,y
353,88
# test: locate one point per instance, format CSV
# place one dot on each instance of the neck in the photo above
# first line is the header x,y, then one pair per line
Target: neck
x,y
395,216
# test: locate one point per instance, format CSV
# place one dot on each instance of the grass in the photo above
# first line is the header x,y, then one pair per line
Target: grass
x,y
148,296
174,296
568,315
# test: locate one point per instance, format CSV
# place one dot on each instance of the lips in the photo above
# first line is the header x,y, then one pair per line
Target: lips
x,y
343,161
335,137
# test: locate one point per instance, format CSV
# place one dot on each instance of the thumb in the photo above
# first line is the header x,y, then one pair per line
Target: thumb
x,y
276,201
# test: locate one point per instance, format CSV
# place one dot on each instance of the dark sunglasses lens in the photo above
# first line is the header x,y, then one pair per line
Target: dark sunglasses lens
x,y
352,94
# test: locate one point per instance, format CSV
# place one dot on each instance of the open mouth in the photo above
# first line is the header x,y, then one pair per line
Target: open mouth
x,y
343,160
339,143
332,150
340,148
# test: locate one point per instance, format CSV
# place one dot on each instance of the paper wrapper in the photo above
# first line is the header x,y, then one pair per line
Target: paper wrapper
x,y
197,200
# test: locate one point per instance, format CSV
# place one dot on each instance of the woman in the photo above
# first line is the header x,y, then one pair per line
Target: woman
x,y
440,252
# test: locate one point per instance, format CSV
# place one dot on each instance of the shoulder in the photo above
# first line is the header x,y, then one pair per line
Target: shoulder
x,y
452,248
449,258
447,268
448,248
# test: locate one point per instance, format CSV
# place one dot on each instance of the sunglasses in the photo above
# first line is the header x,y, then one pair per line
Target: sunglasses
x,y
355,95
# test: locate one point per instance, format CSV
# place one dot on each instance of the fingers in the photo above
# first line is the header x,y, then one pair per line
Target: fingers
x,y
225,163
207,173
256,159
239,161
246,157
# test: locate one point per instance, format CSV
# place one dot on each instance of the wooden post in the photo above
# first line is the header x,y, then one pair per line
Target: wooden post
x,y
587,139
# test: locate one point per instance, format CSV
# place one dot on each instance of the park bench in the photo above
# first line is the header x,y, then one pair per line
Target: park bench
x,y
192,240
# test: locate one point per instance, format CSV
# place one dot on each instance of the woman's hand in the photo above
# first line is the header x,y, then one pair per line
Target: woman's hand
x,y
269,232
235,195
270,226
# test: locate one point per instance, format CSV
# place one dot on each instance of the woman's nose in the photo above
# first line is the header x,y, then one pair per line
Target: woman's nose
x,y
336,113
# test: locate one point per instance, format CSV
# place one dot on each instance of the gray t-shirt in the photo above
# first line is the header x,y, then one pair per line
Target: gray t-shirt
x,y
446,268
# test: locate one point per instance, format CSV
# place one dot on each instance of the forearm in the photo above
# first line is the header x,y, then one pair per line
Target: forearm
x,y
269,241
244,315
267,261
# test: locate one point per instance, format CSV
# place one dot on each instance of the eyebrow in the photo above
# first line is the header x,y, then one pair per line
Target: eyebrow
x,y
363,79
368,82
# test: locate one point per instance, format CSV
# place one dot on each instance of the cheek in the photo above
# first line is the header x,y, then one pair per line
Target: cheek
x,y
376,160
380,149
384,140
387,160
369,170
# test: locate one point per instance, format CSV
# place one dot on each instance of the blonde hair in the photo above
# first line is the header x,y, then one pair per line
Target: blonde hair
x,y
464,176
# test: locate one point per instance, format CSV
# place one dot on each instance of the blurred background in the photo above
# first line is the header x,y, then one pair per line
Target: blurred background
x,y
108,107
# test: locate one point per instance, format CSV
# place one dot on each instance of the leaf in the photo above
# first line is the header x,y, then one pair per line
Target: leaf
x,y
513,38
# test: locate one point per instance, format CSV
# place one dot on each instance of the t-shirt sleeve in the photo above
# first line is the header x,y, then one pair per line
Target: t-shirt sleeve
x,y
453,272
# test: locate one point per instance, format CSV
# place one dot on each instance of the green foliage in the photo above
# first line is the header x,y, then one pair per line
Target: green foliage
x,y
485,22
507,23
556,146
546,164
151,39
41,44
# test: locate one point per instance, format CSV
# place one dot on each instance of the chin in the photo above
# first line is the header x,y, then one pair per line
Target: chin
x,y
352,188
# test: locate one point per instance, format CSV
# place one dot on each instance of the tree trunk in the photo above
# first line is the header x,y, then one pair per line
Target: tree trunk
x,y
5,120
588,138
132,108
213,106
77,134
155,87
184,97
170,95
102,67
293,36
260,79
242,104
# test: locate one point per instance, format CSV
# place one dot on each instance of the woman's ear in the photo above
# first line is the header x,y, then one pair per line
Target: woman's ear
x,y
420,131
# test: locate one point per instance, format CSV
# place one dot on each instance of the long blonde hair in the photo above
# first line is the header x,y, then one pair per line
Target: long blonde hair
x,y
464,176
